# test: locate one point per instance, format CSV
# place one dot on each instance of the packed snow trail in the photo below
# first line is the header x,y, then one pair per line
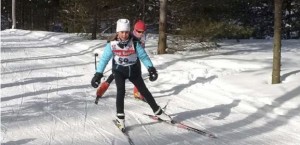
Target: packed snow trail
x,y
46,97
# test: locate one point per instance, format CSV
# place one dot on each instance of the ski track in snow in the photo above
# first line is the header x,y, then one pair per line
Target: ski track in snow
x,y
46,97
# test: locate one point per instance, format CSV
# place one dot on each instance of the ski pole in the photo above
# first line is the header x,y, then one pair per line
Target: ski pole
x,y
97,98
102,85
96,54
145,78
107,71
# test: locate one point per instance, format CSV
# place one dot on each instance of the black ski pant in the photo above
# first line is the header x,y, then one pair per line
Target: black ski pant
x,y
111,76
138,81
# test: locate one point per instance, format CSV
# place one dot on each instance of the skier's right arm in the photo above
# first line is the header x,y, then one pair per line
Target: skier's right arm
x,y
105,58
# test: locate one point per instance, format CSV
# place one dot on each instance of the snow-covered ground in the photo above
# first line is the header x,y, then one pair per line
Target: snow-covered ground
x,y
46,97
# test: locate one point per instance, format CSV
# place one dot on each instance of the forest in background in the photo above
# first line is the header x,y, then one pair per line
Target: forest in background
x,y
206,20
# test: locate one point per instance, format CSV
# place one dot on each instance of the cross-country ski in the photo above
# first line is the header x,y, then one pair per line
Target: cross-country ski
x,y
124,132
183,126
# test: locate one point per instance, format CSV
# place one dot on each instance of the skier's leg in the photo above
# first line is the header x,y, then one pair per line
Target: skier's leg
x,y
110,78
120,83
140,84
137,94
102,89
104,86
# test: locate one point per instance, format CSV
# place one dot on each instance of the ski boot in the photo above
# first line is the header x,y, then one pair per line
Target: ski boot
x,y
120,123
162,115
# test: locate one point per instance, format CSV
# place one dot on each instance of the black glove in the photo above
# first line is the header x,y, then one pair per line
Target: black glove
x,y
152,74
96,79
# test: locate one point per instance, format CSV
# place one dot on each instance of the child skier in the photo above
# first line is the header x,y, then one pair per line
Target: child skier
x,y
125,54
138,35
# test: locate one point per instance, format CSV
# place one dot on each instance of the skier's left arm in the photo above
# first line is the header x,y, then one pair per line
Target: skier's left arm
x,y
143,56
143,41
147,62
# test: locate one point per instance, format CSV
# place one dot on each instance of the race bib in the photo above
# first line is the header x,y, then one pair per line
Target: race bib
x,y
124,56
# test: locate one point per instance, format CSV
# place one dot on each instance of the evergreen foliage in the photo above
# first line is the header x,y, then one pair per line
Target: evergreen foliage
x,y
194,18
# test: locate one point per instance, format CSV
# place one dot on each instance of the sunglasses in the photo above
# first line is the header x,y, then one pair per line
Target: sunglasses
x,y
140,31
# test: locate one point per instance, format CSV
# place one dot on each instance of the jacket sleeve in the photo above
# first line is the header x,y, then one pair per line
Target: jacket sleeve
x,y
143,56
105,58
143,41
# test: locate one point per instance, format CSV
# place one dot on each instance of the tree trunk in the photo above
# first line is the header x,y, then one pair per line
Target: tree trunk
x,y
162,42
13,6
277,42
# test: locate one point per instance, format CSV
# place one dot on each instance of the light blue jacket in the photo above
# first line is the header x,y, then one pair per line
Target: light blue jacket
x,y
108,54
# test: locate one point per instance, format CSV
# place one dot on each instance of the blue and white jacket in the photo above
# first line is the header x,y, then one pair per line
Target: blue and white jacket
x,y
124,59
